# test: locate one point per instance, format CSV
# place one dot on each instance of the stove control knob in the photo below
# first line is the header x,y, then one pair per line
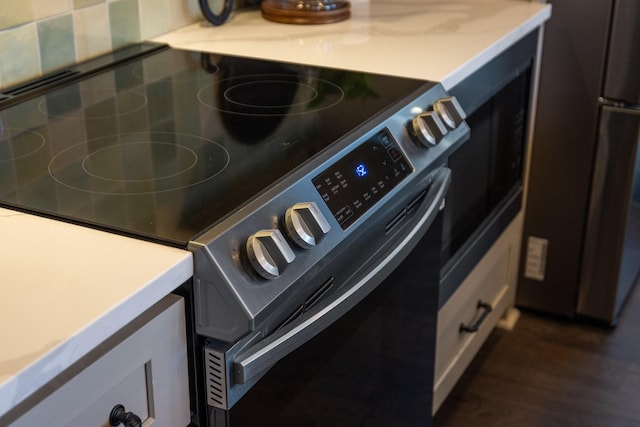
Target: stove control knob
x,y
269,253
305,224
450,111
427,129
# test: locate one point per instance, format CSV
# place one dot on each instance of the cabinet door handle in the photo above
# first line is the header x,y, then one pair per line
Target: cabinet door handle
x,y
119,415
486,309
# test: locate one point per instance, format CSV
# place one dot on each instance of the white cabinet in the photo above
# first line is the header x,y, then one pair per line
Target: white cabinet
x,y
143,367
492,282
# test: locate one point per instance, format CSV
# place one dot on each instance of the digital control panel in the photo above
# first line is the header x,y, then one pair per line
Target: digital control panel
x,y
356,182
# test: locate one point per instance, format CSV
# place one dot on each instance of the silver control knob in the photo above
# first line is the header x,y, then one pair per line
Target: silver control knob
x,y
269,253
305,224
427,129
450,111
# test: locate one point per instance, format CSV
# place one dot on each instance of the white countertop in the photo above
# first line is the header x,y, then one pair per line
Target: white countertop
x,y
436,40
66,288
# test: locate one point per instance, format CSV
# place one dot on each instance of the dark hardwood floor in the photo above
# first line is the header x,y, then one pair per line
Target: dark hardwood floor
x,y
550,372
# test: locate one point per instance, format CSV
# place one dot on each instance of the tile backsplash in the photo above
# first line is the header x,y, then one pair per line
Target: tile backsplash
x,y
40,36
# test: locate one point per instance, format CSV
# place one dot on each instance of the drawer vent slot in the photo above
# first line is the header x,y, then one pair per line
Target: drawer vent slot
x,y
215,375
315,298
402,215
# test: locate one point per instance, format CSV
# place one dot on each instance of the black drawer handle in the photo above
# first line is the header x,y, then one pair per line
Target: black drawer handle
x,y
486,307
119,415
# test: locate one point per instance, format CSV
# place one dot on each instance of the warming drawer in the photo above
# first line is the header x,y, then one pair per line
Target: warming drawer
x,y
467,318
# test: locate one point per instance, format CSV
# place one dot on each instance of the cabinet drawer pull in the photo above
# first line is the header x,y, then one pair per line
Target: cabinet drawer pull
x,y
486,307
119,415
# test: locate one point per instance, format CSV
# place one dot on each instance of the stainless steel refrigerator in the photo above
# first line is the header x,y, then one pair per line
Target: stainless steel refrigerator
x,y
581,241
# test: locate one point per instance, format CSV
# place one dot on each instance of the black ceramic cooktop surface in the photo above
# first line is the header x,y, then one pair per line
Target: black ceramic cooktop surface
x,y
166,145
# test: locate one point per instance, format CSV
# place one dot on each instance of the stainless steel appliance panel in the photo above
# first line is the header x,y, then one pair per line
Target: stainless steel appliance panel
x,y
612,243
577,237
623,65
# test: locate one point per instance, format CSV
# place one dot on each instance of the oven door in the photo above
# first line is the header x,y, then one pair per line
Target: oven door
x,y
362,356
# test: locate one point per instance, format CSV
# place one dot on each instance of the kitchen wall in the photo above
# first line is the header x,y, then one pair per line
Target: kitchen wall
x,y
38,36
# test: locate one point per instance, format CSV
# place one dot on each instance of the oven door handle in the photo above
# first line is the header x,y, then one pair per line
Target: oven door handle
x,y
257,359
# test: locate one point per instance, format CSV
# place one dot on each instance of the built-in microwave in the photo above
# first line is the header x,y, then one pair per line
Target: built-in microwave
x,y
487,171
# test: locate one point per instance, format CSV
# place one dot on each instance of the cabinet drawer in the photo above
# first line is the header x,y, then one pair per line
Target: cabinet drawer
x,y
491,282
143,367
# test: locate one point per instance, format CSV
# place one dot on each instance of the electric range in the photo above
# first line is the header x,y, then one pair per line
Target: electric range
x,y
297,188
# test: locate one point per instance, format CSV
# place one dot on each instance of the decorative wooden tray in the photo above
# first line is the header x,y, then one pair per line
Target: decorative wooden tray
x,y
288,12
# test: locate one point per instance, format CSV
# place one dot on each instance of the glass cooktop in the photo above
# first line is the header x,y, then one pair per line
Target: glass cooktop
x,y
166,145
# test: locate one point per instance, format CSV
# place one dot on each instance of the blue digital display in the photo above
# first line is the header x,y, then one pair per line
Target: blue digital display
x,y
361,170
363,177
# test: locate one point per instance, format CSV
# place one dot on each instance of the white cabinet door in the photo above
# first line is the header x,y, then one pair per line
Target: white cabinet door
x,y
143,367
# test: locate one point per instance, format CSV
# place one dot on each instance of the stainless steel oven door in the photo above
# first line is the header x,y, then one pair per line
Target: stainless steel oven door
x,y
232,371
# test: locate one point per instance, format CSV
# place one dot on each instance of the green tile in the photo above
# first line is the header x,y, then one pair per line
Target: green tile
x,y
125,22
57,47
91,30
21,45
15,12
77,4
155,18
